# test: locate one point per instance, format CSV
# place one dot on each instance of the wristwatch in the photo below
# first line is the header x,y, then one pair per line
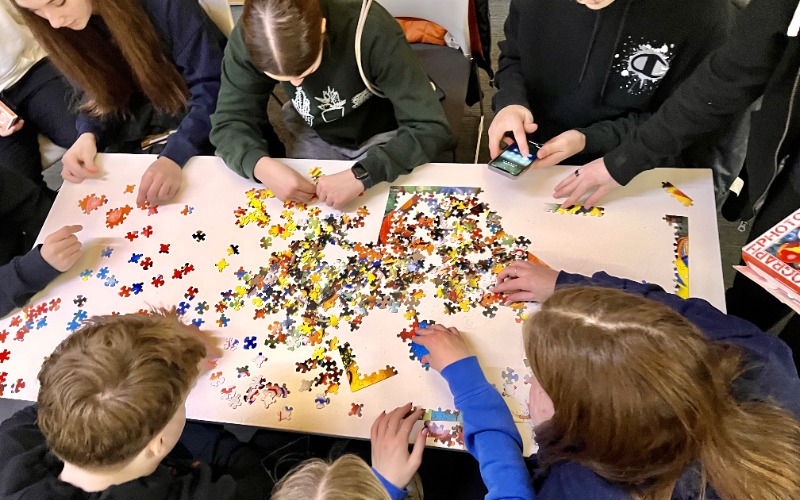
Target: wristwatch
x,y
362,174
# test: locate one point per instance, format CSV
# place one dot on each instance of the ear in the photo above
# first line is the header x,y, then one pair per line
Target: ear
x,y
156,447
323,25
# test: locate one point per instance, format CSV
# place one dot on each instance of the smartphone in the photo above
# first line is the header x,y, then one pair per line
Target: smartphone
x,y
7,117
511,163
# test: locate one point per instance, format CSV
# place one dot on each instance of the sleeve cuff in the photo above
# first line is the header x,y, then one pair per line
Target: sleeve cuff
x,y
248,162
618,166
464,376
394,492
376,171
35,270
179,149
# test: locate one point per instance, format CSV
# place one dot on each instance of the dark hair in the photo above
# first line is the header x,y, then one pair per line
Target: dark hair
x,y
283,37
640,395
111,73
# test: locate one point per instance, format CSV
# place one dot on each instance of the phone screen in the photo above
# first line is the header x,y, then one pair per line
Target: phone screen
x,y
512,161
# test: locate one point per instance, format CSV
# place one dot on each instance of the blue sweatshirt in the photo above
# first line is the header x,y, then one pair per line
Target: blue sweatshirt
x,y
195,45
490,433
769,373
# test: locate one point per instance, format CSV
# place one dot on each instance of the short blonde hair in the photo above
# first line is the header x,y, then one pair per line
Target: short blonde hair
x,y
346,478
115,383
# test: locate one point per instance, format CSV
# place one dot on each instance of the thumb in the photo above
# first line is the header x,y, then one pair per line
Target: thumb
x,y
530,127
546,150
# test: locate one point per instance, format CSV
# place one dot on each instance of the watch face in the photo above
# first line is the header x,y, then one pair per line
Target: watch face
x,y
360,172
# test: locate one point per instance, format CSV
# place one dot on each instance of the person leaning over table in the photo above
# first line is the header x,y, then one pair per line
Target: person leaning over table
x,y
762,57
637,393
25,271
578,75
143,67
309,47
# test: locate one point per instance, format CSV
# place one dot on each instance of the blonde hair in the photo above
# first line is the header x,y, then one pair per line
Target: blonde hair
x,y
346,478
640,395
115,383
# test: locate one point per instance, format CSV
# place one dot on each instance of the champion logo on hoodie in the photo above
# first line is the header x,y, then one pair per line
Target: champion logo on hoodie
x,y
642,64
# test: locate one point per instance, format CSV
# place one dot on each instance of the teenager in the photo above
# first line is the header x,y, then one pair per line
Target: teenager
x,y
577,76
309,46
36,92
762,57
639,393
144,67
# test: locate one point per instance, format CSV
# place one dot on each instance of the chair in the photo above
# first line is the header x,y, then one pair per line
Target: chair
x,y
220,12
450,68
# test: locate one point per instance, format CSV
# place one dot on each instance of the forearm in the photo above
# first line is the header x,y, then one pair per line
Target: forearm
x,y
603,136
423,131
22,278
490,433
241,111
724,84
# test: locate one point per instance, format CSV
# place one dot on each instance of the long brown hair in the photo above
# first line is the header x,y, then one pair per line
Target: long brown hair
x,y
283,37
640,395
111,73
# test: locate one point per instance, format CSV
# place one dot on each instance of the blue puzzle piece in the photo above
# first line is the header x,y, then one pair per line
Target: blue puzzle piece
x,y
106,252
102,273
135,258
250,342
418,352
198,322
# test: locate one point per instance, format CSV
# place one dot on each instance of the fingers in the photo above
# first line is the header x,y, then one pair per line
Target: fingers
x,y
596,196
378,427
520,296
408,422
522,139
6,132
144,187
64,232
494,144
507,286
396,416
419,447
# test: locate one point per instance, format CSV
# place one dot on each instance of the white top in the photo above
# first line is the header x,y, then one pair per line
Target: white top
x,y
19,51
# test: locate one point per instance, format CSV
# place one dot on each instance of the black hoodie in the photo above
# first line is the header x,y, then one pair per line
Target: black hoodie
x,y
28,470
604,71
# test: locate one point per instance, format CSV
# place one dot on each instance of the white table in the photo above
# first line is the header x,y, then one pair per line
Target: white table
x,y
631,239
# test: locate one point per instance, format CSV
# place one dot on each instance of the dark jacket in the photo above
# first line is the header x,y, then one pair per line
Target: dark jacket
x,y
602,72
28,470
24,206
333,99
768,374
758,59
195,45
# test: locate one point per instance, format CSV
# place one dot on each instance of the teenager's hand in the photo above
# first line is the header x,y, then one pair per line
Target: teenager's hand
x,y
62,248
338,190
446,346
284,182
559,148
5,132
160,182
515,119
389,439
79,159
524,281
592,175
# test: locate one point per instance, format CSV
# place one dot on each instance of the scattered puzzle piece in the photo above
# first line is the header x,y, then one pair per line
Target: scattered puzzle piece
x,y
677,194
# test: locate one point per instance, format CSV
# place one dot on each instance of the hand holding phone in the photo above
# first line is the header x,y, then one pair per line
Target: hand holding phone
x,y
7,117
511,163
